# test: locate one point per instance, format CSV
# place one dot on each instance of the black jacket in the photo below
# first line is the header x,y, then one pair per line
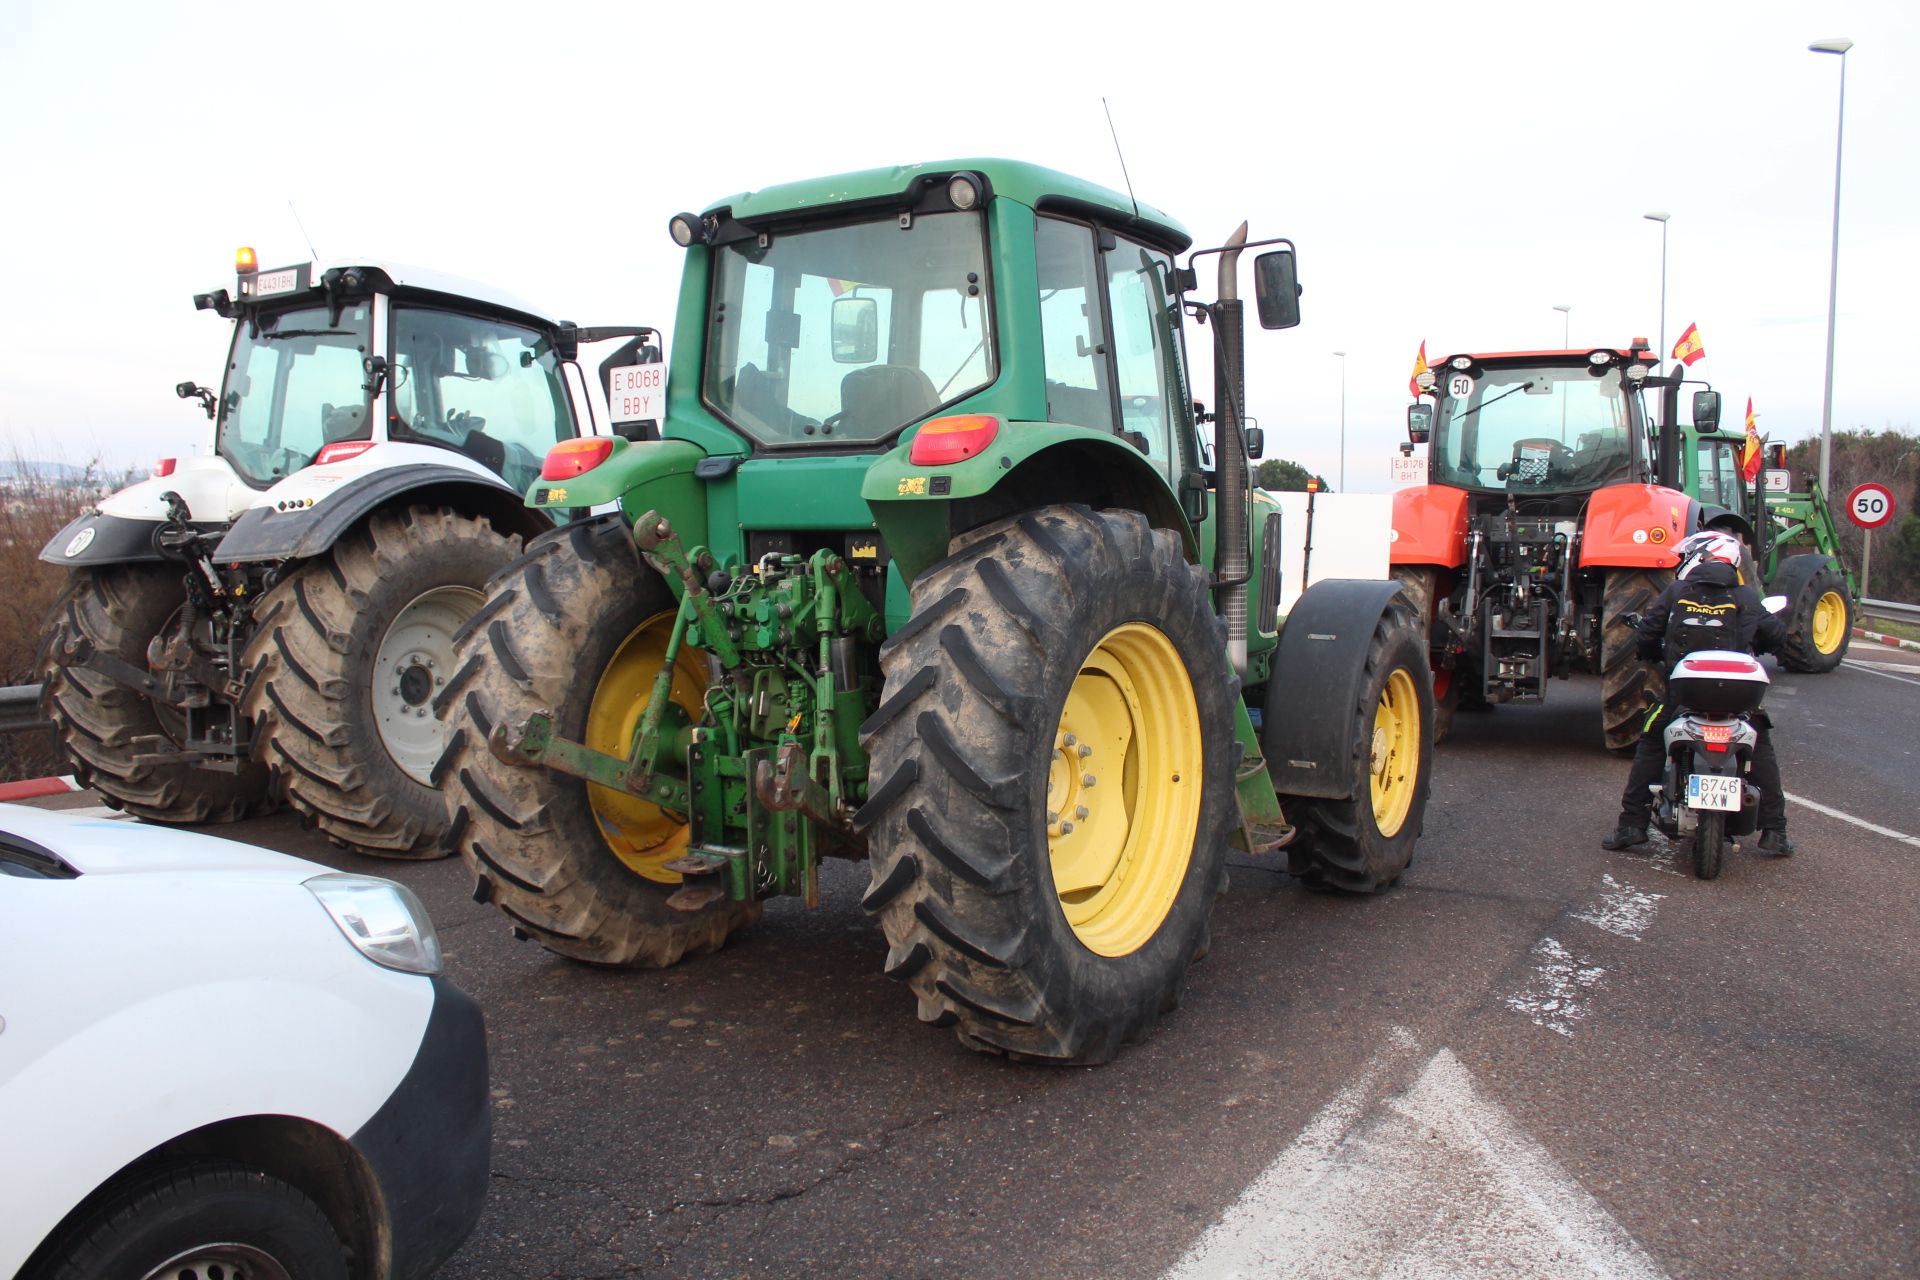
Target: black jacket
x,y
1755,630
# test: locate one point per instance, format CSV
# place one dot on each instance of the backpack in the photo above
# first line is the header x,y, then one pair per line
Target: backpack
x,y
1705,615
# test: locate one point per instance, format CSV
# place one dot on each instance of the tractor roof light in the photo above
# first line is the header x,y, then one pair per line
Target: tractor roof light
x,y
244,260
572,458
1600,357
944,441
1424,380
687,230
962,191
1636,372
1462,363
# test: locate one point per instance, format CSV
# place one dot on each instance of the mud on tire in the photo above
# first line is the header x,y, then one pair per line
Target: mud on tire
x,y
119,608
553,621
319,690
1628,685
1006,634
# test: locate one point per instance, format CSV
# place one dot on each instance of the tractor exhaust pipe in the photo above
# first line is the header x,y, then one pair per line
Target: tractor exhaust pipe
x,y
1231,483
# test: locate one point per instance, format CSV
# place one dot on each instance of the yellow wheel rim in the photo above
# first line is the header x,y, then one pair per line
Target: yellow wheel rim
x,y
1393,761
1829,621
1123,790
641,835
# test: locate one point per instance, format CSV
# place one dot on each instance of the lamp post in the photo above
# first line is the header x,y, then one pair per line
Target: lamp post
x,y
1566,321
1661,218
1343,420
1840,47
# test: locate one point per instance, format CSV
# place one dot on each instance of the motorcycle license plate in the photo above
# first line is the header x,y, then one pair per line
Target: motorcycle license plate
x,y
1713,791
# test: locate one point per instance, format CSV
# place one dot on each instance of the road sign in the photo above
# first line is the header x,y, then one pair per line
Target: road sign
x,y
1870,505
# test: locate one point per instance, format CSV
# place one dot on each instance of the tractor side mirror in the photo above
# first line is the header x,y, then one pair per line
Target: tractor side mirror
x,y
1706,410
1276,287
1419,423
856,330
1256,441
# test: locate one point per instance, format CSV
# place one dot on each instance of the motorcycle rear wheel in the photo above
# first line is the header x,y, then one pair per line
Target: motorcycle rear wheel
x,y
1709,845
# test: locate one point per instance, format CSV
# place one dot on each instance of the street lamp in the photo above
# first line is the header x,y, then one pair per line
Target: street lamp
x,y
1840,47
1566,322
1343,420
1661,218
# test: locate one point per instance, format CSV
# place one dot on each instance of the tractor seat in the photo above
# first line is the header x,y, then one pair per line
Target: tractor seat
x,y
881,397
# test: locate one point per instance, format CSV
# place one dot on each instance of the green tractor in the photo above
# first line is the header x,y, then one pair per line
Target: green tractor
x,y
1791,533
930,566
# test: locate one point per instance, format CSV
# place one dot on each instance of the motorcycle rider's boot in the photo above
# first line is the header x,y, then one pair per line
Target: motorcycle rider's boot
x,y
1774,843
1624,836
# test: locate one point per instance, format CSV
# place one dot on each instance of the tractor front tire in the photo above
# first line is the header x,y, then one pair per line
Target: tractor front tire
x,y
1628,686
349,651
119,608
577,627
1364,843
1819,614
1052,769
1420,586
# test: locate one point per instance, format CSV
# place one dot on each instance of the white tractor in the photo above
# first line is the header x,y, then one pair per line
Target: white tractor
x,y
274,620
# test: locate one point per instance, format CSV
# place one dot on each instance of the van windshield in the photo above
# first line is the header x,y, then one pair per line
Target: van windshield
x,y
847,334
296,381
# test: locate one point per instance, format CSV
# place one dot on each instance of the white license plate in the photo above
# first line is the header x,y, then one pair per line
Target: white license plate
x,y
1713,791
638,392
271,282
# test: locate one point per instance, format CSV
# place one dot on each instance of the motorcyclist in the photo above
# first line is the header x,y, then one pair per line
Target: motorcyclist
x,y
1707,606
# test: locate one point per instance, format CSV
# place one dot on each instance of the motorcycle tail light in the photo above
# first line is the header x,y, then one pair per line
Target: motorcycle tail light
x,y
1716,732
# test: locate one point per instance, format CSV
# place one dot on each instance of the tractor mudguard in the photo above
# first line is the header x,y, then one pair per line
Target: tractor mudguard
x,y
1636,526
1319,676
1429,526
267,534
1028,465
642,476
94,538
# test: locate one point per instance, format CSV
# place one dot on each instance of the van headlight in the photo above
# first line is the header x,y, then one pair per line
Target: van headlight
x,y
383,920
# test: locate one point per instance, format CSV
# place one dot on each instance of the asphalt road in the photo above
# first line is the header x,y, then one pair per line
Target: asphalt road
x,y
1533,1057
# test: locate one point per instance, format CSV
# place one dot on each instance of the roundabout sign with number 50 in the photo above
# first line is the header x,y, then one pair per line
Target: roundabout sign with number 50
x,y
1870,505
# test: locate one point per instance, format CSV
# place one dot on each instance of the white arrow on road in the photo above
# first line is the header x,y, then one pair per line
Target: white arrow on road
x,y
1435,1182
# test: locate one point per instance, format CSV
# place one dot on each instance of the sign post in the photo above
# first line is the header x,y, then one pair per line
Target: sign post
x,y
1870,506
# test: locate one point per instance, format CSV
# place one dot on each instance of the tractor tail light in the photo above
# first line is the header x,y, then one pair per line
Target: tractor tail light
x,y
164,467
944,441
572,458
340,451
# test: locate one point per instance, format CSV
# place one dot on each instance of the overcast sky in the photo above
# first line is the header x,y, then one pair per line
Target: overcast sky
x,y
1448,172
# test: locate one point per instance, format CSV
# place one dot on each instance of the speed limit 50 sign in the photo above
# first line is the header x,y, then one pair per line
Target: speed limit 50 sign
x,y
1870,505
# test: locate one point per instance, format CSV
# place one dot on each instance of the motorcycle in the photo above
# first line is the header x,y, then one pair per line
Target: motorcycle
x,y
1704,797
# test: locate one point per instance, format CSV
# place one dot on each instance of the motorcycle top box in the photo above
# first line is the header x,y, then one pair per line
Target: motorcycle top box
x,y
1713,682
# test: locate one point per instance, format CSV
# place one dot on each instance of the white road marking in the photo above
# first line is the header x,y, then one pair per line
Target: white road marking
x,y
1873,670
1556,993
1435,1183
1874,827
1622,910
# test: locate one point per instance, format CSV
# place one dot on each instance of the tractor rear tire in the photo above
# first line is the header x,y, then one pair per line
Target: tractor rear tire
x,y
568,628
1819,614
1052,770
1420,585
1628,686
119,608
349,650
1363,844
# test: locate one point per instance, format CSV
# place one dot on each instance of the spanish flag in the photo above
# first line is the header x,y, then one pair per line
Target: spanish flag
x,y
1419,367
1689,349
1750,451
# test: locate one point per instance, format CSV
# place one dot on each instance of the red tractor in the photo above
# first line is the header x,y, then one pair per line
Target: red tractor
x,y
1540,527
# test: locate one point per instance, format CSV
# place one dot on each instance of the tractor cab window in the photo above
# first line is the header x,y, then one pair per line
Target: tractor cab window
x,y
1720,482
848,334
1071,326
296,381
1540,430
483,387
1147,358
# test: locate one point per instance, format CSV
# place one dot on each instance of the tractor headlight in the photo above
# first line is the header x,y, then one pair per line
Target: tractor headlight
x,y
383,920
1636,372
686,230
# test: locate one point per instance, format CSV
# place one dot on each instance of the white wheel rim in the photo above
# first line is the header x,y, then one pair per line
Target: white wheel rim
x,y
415,658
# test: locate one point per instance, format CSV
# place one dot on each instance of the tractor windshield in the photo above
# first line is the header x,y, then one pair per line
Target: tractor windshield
x,y
847,334
1539,429
296,381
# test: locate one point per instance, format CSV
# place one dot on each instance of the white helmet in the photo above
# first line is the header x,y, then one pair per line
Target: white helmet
x,y
1709,546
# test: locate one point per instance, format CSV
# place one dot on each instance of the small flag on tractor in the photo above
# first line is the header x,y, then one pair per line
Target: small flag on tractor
x,y
1750,452
1689,348
1419,367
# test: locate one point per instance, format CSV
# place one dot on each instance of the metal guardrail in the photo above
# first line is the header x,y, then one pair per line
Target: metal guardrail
x,y
1891,609
20,709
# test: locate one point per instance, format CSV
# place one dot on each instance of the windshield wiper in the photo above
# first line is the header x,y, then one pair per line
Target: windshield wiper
x,y
306,333
1496,400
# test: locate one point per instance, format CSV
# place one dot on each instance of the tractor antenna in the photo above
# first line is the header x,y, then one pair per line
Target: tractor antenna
x,y
1123,156
303,229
